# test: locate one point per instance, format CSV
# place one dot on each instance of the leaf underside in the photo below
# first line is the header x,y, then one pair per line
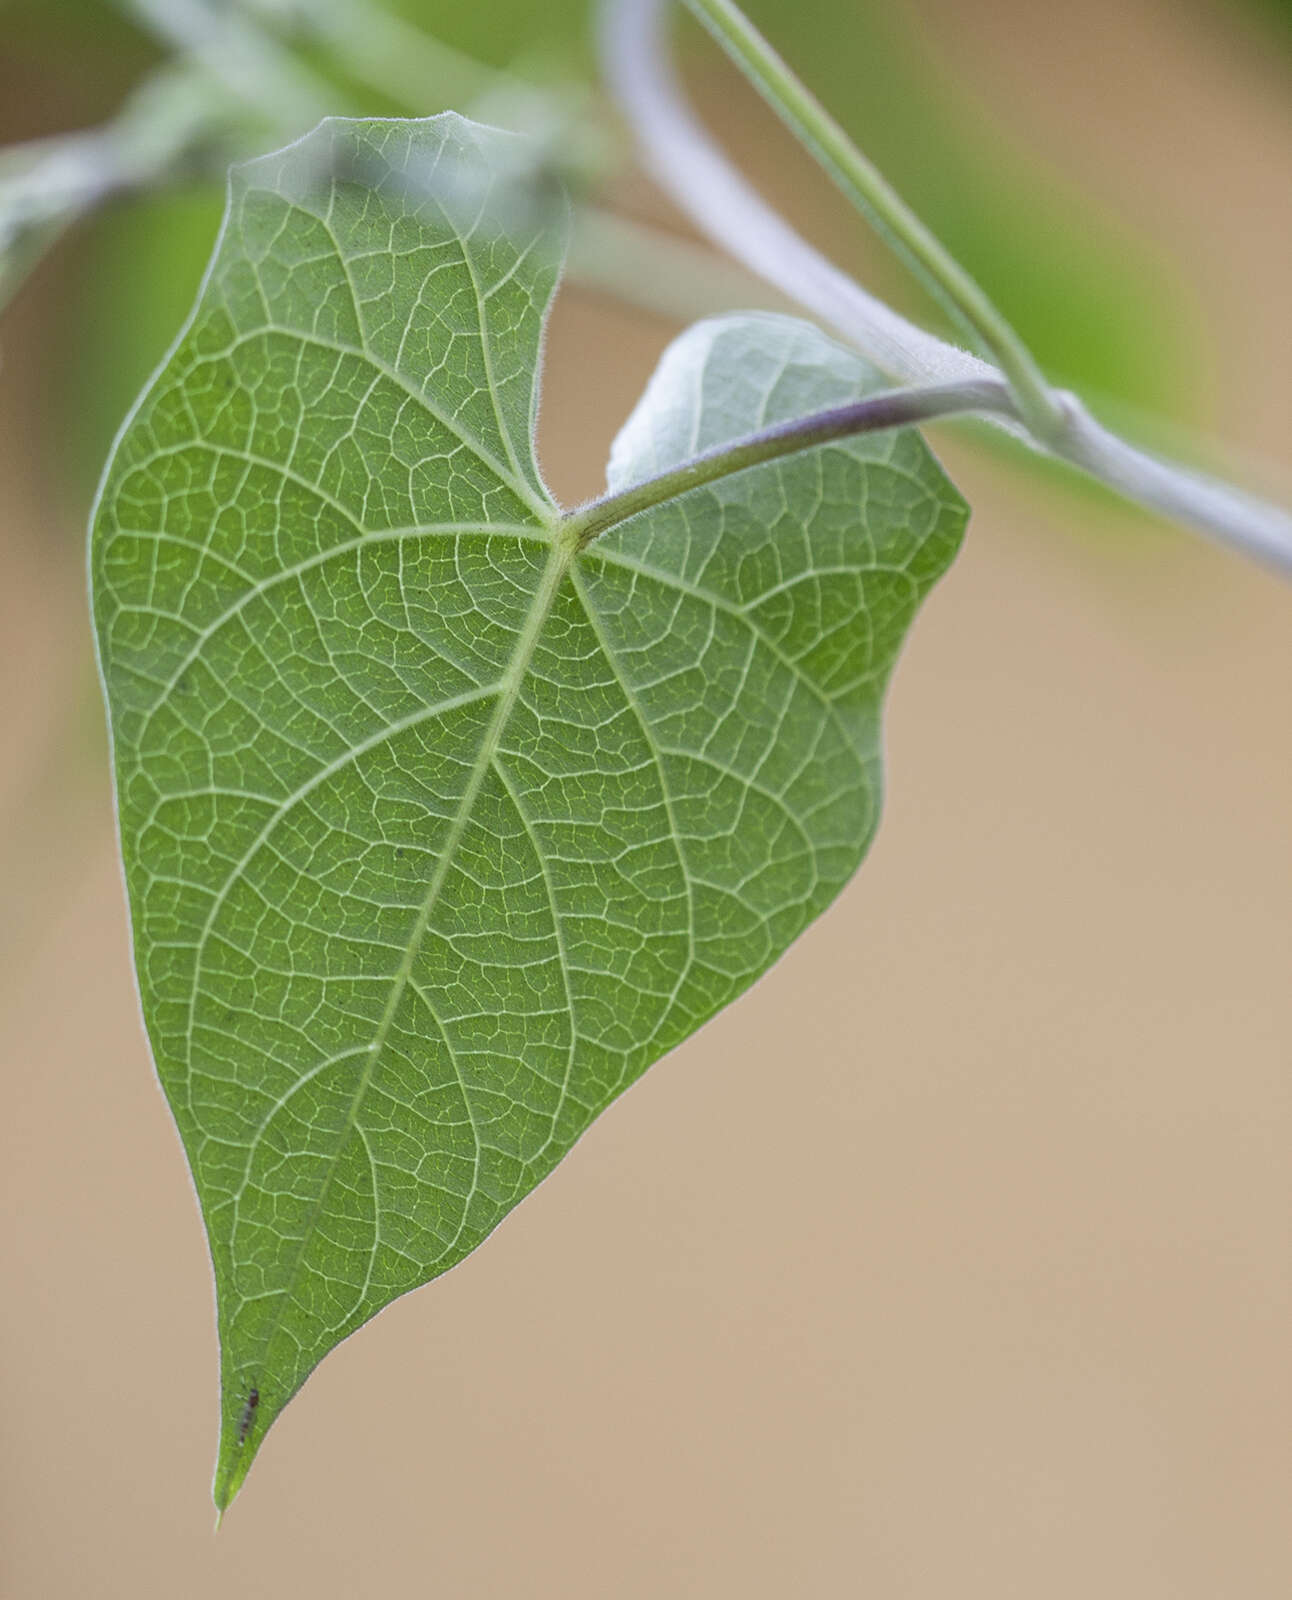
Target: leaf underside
x,y
436,835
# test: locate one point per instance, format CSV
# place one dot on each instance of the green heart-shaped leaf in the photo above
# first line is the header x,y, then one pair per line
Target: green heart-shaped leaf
x,y
436,831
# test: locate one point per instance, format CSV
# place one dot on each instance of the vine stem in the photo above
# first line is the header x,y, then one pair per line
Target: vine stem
x,y
877,413
686,163
868,189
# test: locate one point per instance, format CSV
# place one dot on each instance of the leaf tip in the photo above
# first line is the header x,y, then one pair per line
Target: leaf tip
x,y
231,1468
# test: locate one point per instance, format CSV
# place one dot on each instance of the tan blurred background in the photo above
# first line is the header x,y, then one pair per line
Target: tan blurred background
x,y
956,1260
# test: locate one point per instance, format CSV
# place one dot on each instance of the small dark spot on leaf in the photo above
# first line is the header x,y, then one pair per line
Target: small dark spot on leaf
x,y
248,1415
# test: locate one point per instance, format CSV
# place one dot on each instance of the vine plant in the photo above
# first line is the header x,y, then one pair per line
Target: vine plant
x,y
445,811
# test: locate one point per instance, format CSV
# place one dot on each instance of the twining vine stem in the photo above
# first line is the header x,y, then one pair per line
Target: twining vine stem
x,y
686,163
895,408
875,197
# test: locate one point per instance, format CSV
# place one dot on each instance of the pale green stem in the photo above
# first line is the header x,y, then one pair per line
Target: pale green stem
x,y
878,413
661,272
871,192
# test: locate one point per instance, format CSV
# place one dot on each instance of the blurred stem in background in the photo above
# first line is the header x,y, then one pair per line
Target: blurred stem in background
x,y
233,87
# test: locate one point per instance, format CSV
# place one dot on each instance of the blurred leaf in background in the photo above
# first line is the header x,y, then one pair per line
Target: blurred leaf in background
x,y
1276,14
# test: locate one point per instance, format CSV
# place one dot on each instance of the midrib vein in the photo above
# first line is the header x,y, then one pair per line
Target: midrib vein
x,y
558,564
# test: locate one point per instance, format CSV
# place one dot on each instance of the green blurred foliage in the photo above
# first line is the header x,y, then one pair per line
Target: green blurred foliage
x,y
1276,13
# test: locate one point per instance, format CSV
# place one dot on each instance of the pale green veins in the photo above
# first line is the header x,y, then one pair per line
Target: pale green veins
x,y
437,832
